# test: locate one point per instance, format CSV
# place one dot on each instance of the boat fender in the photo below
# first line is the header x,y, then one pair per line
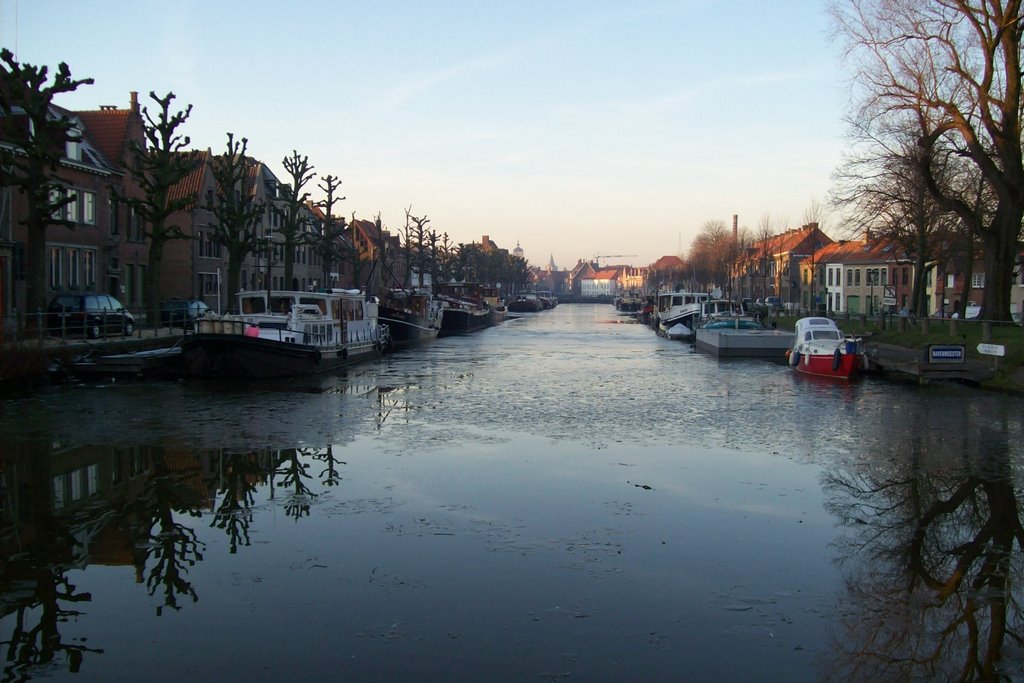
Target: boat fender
x,y
836,360
794,358
316,356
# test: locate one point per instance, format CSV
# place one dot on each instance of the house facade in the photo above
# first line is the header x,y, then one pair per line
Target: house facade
x,y
604,282
772,267
103,249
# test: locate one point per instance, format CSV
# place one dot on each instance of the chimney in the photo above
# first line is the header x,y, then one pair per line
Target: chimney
x,y
735,225
867,235
134,101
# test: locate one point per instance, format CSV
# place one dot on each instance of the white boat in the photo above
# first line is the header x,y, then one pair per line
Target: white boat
x,y
678,308
821,349
284,334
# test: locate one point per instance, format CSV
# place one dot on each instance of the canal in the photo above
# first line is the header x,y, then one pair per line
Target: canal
x,y
566,496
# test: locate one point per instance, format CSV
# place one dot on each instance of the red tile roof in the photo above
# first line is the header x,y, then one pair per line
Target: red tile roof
x,y
192,183
667,262
107,129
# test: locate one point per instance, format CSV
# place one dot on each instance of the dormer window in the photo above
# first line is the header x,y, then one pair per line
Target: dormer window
x,y
73,148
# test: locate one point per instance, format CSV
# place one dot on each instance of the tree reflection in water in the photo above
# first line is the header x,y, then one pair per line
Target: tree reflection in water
x,y
330,475
933,567
38,549
240,473
169,548
293,473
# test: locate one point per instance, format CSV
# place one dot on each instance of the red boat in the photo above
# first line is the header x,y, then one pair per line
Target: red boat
x,y
820,348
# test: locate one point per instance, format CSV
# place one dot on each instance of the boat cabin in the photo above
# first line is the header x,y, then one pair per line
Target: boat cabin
x,y
817,329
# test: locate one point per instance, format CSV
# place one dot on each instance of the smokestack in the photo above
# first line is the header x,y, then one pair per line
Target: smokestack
x,y
735,226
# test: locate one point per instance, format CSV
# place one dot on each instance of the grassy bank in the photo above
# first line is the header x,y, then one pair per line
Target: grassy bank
x,y
970,333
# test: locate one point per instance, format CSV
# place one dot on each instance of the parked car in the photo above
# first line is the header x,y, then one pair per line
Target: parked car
x,y
91,314
182,312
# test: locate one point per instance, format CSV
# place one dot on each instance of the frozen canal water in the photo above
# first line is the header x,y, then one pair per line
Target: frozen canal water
x,y
565,496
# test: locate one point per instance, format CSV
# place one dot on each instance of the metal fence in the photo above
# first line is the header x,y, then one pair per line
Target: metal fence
x,y
55,329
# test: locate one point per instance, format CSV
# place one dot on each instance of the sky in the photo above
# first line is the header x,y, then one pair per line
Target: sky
x,y
574,129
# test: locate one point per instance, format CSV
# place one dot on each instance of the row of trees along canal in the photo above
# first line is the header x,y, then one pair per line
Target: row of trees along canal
x,y
935,163
34,141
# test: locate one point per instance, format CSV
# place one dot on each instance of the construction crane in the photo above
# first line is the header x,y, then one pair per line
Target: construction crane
x,y
598,257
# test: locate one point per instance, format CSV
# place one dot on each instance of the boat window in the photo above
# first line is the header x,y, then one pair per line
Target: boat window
x,y
318,302
252,304
826,334
281,304
336,309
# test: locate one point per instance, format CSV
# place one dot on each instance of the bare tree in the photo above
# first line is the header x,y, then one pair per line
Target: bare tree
x,y
294,206
158,167
329,243
236,210
953,68
763,237
711,253
35,142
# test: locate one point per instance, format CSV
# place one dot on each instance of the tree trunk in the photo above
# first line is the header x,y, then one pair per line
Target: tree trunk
x,y
151,287
35,271
918,296
289,263
1000,257
234,281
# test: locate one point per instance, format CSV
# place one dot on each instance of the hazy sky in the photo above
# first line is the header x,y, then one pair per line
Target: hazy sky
x,y
574,128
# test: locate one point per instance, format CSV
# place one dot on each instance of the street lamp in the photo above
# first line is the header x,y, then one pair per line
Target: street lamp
x,y
872,275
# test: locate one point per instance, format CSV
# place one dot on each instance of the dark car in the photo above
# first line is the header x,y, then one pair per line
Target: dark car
x,y
91,314
182,312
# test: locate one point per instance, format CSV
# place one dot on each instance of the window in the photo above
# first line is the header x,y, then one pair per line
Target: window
x,y
59,495
950,281
856,277
88,268
906,276
849,278
73,148
135,226
115,210
829,277
56,268
140,285
71,208
89,208
77,485
977,280
92,479
208,284
885,276
73,264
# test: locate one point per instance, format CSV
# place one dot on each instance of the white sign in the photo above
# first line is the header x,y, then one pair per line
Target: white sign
x,y
992,349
